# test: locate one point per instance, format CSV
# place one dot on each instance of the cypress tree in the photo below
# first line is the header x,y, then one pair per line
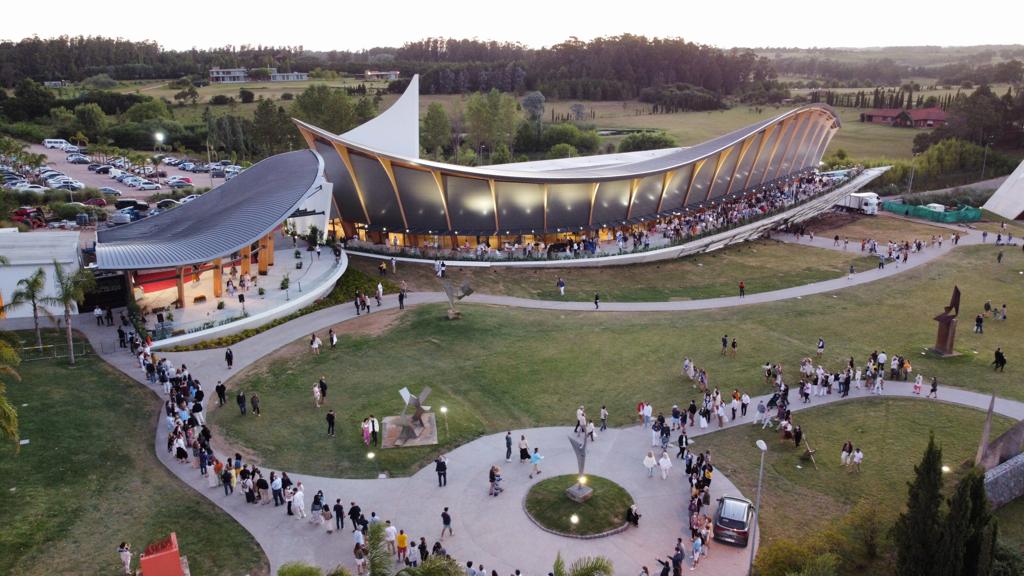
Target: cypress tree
x,y
980,542
956,530
918,530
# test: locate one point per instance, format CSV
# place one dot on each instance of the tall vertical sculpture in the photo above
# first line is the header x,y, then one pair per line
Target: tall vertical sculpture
x,y
947,326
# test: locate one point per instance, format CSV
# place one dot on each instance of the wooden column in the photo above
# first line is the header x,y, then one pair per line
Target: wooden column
x,y
218,278
181,286
2,313
261,258
246,255
270,249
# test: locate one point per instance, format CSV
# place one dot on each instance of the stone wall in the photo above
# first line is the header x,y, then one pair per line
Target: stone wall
x,y
1005,482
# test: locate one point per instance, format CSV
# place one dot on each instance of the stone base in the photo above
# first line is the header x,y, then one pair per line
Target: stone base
x,y
425,435
454,314
579,493
942,354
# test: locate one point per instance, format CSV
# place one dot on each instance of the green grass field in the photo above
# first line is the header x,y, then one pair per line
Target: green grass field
x,y
798,500
89,480
763,265
499,369
1011,524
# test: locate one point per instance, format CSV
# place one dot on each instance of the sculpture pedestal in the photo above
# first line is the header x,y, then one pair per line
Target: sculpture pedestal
x,y
579,493
425,435
945,338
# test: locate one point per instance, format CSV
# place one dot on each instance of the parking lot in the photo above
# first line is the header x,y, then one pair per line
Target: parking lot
x,y
57,159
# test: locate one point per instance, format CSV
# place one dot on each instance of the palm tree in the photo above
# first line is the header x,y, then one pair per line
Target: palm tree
x,y
9,360
71,289
434,566
156,160
585,566
31,291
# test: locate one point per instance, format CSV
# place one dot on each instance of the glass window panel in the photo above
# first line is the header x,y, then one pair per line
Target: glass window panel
x,y
676,188
648,193
760,167
520,206
785,133
421,199
746,164
725,173
569,205
699,190
791,149
344,191
378,193
470,204
611,203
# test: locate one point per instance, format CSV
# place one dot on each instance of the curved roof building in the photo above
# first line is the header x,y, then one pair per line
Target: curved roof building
x,y
382,184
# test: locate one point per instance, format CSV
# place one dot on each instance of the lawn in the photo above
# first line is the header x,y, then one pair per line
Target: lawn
x,y
763,265
89,480
884,227
499,368
798,500
547,504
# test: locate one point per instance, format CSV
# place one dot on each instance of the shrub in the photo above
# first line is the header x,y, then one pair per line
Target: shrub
x,y
782,558
285,282
220,303
298,569
221,100
261,291
287,96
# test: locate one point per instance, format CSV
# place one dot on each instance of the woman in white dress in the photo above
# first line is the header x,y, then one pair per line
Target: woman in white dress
x,y
316,395
299,502
665,463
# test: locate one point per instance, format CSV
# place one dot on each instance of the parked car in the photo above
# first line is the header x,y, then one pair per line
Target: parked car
x,y
124,203
55,143
72,149
733,520
110,191
26,187
104,169
167,203
179,184
96,202
148,186
189,198
177,178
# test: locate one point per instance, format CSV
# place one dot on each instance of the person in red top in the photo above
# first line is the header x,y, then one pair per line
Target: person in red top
x,y
743,289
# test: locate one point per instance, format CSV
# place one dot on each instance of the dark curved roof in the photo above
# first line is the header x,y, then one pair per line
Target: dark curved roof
x,y
218,223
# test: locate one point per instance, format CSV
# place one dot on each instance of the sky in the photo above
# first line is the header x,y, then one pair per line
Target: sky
x,y
348,25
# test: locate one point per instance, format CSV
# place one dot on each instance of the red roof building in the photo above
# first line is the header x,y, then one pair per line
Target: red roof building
x,y
913,118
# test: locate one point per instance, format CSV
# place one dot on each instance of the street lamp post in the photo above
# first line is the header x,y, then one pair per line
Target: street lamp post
x,y
913,169
984,158
444,412
373,458
757,507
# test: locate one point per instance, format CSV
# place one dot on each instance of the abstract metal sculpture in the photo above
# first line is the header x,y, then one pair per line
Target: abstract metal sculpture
x,y
412,426
947,326
580,492
453,297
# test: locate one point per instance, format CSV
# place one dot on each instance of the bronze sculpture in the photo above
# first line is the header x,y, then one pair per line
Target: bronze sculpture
x,y
947,326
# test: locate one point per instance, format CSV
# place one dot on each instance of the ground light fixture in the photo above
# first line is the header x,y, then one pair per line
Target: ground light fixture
x,y
444,412
757,506
582,480
946,469
574,519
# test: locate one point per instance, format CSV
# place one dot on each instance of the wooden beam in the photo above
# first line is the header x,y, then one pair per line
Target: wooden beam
x,y
764,140
739,160
394,186
308,137
246,254
3,313
693,176
593,199
180,282
494,200
545,207
218,278
634,184
261,257
800,122
343,152
666,179
718,168
270,248
439,180
783,126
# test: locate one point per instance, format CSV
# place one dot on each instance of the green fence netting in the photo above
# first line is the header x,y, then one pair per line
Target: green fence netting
x,y
961,214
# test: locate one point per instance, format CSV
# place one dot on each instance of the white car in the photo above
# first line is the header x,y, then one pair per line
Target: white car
x,y
145,185
72,149
189,198
110,191
26,187
57,143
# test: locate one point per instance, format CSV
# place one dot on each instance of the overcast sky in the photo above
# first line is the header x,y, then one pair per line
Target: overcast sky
x,y
354,25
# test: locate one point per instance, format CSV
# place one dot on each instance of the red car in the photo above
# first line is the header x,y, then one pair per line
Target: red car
x,y
96,202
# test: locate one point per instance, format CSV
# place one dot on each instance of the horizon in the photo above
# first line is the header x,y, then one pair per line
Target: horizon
x,y
534,24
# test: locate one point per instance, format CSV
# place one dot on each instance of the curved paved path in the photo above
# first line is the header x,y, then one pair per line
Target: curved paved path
x,y
494,531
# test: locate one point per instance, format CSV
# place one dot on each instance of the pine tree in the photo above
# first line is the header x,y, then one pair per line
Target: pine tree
x,y
918,530
955,531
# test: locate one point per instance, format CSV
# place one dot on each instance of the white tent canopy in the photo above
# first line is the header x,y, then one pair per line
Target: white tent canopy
x,y
1008,199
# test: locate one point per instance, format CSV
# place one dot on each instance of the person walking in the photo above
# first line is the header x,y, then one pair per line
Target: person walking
x,y
441,467
650,462
375,430
298,501
222,393
332,338
1000,360
339,515
665,464
401,299
524,449
743,289
229,358
276,489
255,401
535,459
979,324
446,523
330,423
390,536
855,460
934,393
821,347
604,418
597,301
322,384
561,286
508,446
240,399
